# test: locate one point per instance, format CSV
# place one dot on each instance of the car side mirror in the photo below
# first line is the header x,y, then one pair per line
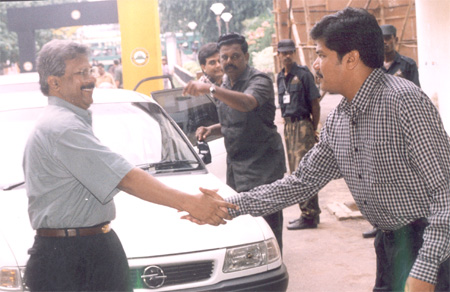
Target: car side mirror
x,y
204,152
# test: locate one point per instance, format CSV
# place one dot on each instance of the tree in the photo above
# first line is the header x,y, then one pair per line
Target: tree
x,y
176,14
9,49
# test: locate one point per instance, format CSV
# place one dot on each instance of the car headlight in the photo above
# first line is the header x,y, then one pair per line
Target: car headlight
x,y
251,255
10,278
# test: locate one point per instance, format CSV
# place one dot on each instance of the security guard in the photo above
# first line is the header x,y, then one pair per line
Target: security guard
x,y
298,97
394,63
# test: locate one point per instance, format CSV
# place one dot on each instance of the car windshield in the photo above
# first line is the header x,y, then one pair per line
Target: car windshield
x,y
188,112
140,132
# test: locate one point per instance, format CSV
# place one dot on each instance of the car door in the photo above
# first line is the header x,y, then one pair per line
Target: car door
x,y
191,112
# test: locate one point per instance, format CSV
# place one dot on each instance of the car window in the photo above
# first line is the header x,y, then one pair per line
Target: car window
x,y
140,132
189,112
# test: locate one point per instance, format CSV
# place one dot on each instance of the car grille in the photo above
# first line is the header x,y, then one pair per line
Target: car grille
x,y
175,274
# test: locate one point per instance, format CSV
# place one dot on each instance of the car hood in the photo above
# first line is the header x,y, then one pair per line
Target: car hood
x,y
145,229
16,234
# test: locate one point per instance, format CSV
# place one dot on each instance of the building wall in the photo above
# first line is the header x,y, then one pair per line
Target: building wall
x,y
296,21
433,34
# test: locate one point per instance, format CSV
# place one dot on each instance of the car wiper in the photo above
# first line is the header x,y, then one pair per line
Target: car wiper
x,y
169,165
13,186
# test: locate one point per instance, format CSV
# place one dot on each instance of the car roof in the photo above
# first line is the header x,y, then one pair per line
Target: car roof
x,y
31,99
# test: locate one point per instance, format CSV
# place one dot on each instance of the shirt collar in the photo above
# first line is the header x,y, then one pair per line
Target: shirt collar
x,y
365,93
243,77
293,69
85,114
397,57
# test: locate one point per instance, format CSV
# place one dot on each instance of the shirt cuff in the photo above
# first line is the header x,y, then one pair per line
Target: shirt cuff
x,y
236,199
425,271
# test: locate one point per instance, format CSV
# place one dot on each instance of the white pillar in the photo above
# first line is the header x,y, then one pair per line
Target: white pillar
x,y
433,39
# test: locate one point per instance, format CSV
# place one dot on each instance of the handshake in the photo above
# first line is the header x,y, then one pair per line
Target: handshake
x,y
208,208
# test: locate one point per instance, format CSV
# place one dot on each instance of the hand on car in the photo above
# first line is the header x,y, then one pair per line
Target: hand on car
x,y
219,212
202,133
196,88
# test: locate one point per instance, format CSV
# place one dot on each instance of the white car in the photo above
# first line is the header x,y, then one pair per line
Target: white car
x,y
164,252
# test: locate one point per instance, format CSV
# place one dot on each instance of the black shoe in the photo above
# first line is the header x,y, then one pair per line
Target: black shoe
x,y
295,220
298,219
303,223
370,233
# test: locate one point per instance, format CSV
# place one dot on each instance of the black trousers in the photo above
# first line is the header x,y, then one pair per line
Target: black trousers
x,y
89,263
396,253
275,221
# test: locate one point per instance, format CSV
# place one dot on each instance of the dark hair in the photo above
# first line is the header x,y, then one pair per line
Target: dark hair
x,y
352,29
231,39
207,51
52,58
100,65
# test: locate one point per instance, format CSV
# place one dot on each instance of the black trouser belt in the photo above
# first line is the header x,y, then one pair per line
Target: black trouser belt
x,y
415,225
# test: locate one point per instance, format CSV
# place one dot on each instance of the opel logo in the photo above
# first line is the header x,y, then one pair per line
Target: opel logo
x,y
153,277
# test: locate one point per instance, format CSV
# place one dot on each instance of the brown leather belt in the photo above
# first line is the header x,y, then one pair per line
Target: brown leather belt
x,y
71,232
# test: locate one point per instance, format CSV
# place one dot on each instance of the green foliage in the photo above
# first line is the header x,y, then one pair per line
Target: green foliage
x,y
192,66
176,14
9,48
263,60
258,32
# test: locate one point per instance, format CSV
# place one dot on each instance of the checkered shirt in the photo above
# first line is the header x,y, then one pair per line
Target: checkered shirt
x,y
391,148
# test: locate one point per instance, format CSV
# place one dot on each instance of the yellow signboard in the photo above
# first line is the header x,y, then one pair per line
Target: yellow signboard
x,y
141,44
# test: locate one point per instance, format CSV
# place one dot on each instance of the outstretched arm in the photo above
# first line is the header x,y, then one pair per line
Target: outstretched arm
x,y
236,100
208,209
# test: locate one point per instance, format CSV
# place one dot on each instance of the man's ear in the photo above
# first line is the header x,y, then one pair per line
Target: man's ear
x,y
53,82
352,59
247,56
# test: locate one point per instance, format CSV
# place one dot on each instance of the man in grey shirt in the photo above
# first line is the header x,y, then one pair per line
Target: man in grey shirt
x,y
71,180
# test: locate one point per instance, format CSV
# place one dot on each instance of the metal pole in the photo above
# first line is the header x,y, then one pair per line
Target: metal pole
x,y
218,24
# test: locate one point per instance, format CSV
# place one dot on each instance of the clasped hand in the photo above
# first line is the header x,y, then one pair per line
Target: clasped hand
x,y
209,209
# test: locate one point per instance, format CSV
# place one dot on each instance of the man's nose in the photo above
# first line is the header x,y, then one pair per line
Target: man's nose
x,y
316,64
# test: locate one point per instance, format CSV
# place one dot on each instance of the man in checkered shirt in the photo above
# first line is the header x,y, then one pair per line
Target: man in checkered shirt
x,y
387,141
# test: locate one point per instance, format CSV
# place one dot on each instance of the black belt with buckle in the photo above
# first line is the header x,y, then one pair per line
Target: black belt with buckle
x,y
417,225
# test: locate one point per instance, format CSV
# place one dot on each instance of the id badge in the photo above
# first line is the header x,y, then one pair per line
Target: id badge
x,y
286,98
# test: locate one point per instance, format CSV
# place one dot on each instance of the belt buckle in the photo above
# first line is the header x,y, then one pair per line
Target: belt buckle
x,y
106,228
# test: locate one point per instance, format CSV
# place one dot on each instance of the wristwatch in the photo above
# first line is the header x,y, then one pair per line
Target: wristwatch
x,y
212,90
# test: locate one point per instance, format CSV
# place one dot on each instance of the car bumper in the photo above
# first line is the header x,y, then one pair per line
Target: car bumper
x,y
274,280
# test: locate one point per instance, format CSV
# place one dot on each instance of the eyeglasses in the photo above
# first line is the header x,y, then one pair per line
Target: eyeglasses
x,y
86,73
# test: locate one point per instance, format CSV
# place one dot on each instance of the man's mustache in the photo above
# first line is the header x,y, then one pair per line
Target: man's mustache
x,y
88,86
229,66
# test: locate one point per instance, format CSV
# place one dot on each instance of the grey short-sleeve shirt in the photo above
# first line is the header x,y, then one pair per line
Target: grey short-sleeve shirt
x,y
71,177
255,153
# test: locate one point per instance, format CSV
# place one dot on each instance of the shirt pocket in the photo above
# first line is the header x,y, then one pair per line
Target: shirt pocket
x,y
295,87
382,158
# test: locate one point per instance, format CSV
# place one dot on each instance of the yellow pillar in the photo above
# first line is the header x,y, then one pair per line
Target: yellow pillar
x,y
141,44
